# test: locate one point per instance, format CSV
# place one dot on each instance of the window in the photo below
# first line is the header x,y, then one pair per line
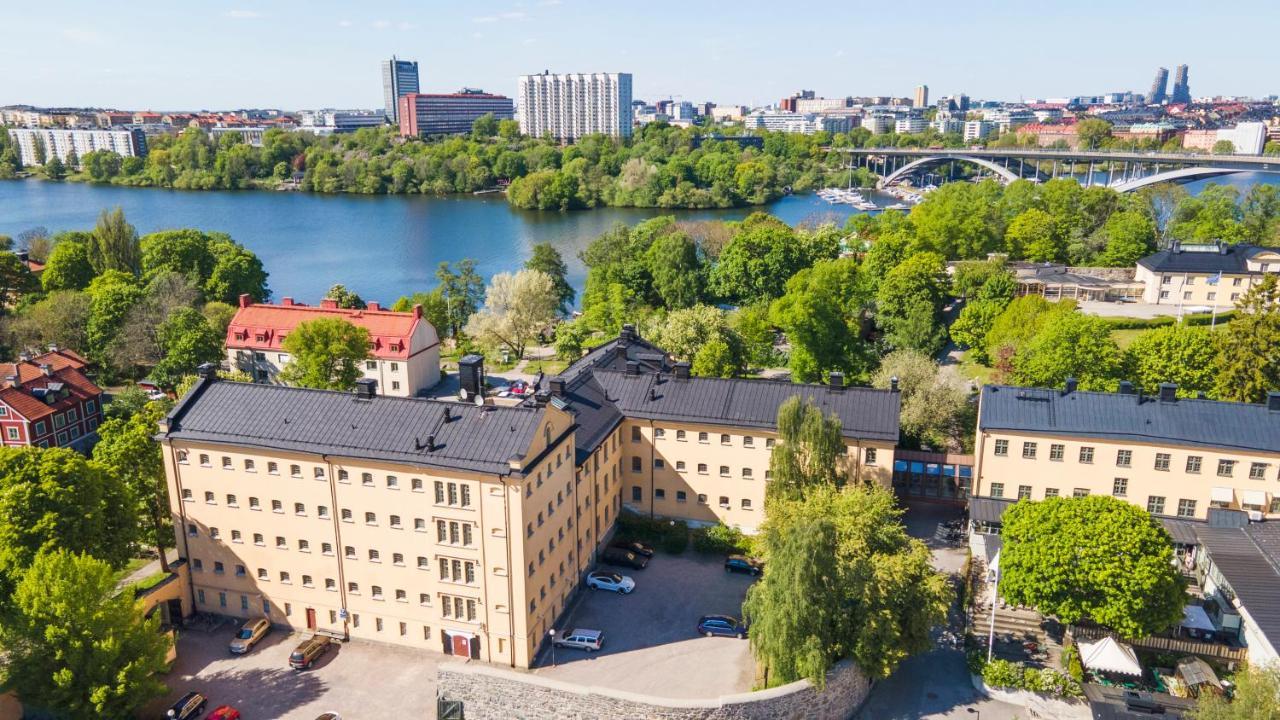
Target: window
x,y
724,501
1120,487
344,476
249,466
1124,458
1029,450
192,530
322,511
218,567
746,504
1056,451
635,464
370,365
326,548
331,585
262,573
374,556
393,482
318,473
295,471
259,540
636,493
277,506
1050,492
748,441
1186,295
304,546
273,468
659,433
659,494
370,518
1186,508
349,552
635,433
1080,492
299,509
1024,492
353,588
997,490
235,536
703,437
702,499
307,582
1193,464
281,543
659,464
284,577
204,460
231,501
1226,468
182,454
415,484
1258,471
1002,448
681,496
208,498
213,533
702,468
346,515
871,456
724,471
746,473
680,435
197,564
419,525
726,439
186,495
1162,461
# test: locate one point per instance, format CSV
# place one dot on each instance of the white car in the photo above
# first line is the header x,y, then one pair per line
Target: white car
x,y
611,581
249,634
582,639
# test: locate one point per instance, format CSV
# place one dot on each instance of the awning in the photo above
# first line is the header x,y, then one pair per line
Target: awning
x,y
1222,495
1195,618
1254,497
1107,655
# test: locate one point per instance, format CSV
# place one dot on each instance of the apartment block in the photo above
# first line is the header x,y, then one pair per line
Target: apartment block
x,y
35,145
569,106
1204,276
404,352
47,401
425,115
1172,456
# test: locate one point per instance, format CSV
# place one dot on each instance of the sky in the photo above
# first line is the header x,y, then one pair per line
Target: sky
x,y
292,54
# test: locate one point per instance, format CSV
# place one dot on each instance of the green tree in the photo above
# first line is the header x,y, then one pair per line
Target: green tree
x,y
183,251
675,270
1213,215
1261,214
345,298
571,339
1178,354
1070,345
1034,235
1256,696
1089,558
761,257
809,452
187,340
547,259
325,353
958,221
821,315
112,295
54,169
68,267
236,271
972,326
463,290
1224,147
753,326
716,359
1017,324
1130,236
15,280
126,450
683,333
114,244
1248,365
909,303
60,318
517,308
434,308
76,646
219,315
936,409
1092,133
988,278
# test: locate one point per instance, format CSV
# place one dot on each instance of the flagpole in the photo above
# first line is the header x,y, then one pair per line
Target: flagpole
x,y
1213,321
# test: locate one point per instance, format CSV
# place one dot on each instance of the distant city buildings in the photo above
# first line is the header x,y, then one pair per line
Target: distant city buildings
x,y
910,125
423,115
36,145
569,106
1247,138
251,135
977,130
922,97
1158,85
876,123
399,78
329,122
1181,89
728,113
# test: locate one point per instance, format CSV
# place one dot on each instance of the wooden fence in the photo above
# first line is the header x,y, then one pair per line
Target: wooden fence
x,y
1164,644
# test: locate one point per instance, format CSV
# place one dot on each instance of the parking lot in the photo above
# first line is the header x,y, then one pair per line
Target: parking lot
x,y
651,644
357,679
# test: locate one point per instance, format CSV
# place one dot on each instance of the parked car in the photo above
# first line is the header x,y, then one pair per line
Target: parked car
x,y
190,706
617,556
152,389
634,546
743,564
249,634
725,625
582,639
329,716
308,651
611,581
224,712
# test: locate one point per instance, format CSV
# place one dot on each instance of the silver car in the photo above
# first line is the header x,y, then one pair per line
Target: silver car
x,y
249,634
611,581
582,639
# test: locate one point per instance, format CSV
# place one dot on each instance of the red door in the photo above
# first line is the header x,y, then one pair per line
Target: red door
x,y
311,618
461,645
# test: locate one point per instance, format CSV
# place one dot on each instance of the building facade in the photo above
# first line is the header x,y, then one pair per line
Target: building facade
x,y
35,145
47,401
399,78
404,354
922,97
1170,455
977,130
569,106
1156,95
424,115
1204,276
1181,92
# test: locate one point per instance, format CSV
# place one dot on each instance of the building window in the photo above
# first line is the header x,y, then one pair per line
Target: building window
x,y
259,540
1002,448
277,506
726,439
659,464
871,456
249,466
331,585
1120,487
702,499
346,515
703,437
1024,492
724,471
635,433
1124,458
281,543
209,499
1226,468
204,460
214,534
1055,451
344,476
299,509
322,511
1193,464
681,496
1186,508
395,521
304,546
636,493
1029,450
1258,471
1079,493
746,504
370,365
218,568
748,441
724,501
273,468
415,484
746,473
635,464
374,556
236,537
370,518
680,436
284,577
262,574
1050,493
702,468
660,494
997,490
186,495
349,552
659,433
1162,461
182,454
393,482
295,471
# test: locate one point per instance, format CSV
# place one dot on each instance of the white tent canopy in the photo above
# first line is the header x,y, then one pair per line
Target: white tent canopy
x,y
1194,617
1107,655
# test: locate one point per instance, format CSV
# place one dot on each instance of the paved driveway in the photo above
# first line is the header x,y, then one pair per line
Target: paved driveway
x,y
650,642
356,679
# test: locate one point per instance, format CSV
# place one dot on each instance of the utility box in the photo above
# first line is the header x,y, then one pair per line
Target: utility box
x,y
471,375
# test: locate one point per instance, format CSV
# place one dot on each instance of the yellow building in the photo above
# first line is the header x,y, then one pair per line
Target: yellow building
x,y
1173,456
465,528
1204,276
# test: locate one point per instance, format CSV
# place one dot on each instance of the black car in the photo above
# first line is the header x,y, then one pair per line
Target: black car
x,y
743,564
724,625
633,546
190,706
622,558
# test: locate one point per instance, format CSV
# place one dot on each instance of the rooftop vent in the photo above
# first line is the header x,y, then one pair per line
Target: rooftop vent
x,y
366,388
893,384
1126,388
633,367
1168,392
836,381
207,370
1273,401
682,370
1070,386
557,386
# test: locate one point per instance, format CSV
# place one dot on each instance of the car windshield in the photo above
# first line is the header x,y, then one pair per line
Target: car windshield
x,y
244,634
297,655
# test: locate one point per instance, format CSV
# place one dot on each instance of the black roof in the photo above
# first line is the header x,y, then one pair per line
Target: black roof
x,y
1249,560
1135,418
478,439
1228,259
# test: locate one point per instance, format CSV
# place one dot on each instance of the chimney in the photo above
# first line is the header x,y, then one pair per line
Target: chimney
x,y
1126,387
209,370
1223,248
366,388
836,381
372,305
1168,392
633,367
653,394
431,443
329,304
1273,401
47,369
417,310
1070,386
245,300
627,334
24,356
286,301
540,399
682,370
13,381
53,348
893,384
557,386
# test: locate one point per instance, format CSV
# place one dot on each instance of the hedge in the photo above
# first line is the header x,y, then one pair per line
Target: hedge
x,y
1125,323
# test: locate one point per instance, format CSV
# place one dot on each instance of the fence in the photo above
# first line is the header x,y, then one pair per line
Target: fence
x,y
1164,644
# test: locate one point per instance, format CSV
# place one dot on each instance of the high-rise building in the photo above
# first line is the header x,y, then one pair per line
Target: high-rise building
x,y
399,78
922,97
423,115
569,106
1158,85
1181,90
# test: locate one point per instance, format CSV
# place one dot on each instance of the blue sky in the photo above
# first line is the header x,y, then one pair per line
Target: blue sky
x,y
293,54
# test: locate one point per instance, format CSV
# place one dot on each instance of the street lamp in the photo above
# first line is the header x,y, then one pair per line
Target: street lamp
x,y
552,633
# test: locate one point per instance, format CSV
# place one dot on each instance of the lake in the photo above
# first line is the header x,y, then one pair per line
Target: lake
x,y
381,246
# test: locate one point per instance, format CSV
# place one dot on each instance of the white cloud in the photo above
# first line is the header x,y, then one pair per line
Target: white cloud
x,y
344,23
511,15
840,53
243,14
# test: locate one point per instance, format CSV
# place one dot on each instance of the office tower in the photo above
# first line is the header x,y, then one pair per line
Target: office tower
x,y
451,114
962,103
922,97
1157,94
569,106
1181,90
399,78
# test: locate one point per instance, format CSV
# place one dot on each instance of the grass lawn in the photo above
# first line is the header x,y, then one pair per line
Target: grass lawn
x,y
548,367
974,370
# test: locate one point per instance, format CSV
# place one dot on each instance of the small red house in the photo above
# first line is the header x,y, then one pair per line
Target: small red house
x,y
47,401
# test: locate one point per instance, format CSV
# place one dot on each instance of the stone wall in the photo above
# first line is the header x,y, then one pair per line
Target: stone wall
x,y
1039,706
486,691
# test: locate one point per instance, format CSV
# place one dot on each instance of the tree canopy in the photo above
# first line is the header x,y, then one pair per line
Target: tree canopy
x,y
325,353
821,313
517,308
1248,366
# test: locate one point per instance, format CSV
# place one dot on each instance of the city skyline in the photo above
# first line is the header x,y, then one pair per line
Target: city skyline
x,y
239,54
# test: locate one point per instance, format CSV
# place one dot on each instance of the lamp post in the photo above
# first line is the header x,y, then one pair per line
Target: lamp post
x,y
552,633
995,596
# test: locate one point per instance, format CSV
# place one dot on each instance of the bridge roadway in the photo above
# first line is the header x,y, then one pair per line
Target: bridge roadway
x,y
1265,163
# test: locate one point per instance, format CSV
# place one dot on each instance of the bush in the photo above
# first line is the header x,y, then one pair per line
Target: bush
x,y
1071,659
1125,323
1002,674
675,537
1016,676
633,526
721,540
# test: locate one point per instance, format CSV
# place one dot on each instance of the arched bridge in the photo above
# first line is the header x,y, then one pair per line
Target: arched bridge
x,y
1122,171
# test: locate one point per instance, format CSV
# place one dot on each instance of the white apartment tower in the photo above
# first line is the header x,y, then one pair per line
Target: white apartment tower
x,y
572,105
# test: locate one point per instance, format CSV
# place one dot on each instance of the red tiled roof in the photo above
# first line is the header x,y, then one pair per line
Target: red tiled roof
x,y
29,406
264,327
56,359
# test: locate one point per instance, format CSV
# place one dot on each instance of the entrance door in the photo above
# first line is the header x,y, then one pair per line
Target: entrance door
x,y
461,645
311,619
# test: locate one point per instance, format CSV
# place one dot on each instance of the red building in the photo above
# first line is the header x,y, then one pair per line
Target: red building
x,y
47,401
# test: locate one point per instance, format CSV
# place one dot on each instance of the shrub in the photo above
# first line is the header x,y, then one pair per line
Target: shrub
x,y
1016,676
1002,674
675,537
1126,323
721,539
1071,659
634,526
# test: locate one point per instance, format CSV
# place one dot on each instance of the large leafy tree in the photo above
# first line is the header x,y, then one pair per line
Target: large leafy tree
x,y
909,303
842,579
68,267
114,244
463,289
434,308
1248,365
547,259
127,451
1017,324
958,221
821,314
972,326
1213,215
1035,236
936,408
187,340
59,318
1178,354
809,452
345,298
675,270
1130,236
325,353
1071,345
236,271
517,308
685,333
76,646
763,255
112,295
1097,558
1256,696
